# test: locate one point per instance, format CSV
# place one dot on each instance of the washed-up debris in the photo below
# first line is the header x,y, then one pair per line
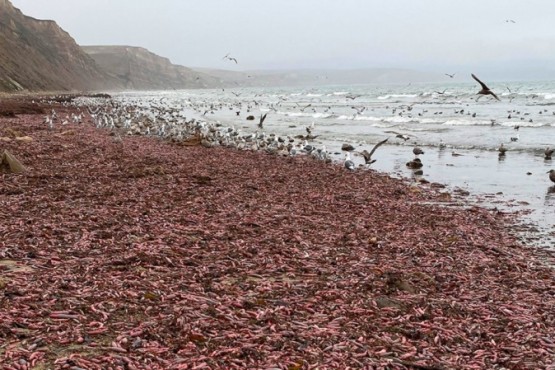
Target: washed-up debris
x,y
145,254
10,164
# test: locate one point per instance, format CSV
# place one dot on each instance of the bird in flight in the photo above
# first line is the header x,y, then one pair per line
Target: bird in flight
x,y
368,155
262,118
230,58
450,75
509,21
485,90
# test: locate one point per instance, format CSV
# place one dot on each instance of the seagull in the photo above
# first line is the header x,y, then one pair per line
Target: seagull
x,y
509,21
416,163
368,156
398,135
442,144
450,75
548,153
417,151
359,110
485,90
502,150
262,118
441,92
551,175
229,58
349,164
307,147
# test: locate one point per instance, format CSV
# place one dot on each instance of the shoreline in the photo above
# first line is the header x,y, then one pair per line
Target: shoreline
x,y
515,183
254,260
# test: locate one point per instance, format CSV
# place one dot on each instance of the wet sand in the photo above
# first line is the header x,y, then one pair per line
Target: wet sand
x,y
145,254
516,183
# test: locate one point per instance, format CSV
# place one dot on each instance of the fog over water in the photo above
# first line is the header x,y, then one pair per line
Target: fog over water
x,y
439,36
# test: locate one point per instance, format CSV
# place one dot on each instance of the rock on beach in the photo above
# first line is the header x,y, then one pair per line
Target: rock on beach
x,y
145,254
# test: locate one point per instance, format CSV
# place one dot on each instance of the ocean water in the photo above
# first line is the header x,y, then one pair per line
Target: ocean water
x,y
442,119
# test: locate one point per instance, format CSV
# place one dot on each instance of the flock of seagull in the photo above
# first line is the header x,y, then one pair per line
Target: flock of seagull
x,y
160,120
155,117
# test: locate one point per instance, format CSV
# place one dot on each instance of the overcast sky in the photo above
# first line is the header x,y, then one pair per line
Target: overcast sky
x,y
443,35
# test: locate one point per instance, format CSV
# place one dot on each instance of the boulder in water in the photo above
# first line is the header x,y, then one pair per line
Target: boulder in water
x,y
347,147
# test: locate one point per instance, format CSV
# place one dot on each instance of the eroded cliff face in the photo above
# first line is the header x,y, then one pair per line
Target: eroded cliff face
x,y
139,69
37,55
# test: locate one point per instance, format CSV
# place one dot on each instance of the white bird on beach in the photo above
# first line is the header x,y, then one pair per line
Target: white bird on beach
x,y
307,147
349,164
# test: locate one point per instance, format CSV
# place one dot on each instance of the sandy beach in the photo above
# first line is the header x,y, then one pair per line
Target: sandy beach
x,y
137,253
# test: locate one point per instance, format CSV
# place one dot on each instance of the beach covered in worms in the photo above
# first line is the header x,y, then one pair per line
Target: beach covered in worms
x,y
131,252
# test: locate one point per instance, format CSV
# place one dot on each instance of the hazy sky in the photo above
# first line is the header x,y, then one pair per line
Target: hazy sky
x,y
433,35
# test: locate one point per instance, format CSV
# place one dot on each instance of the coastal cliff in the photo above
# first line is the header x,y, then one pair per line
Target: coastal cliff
x,y
136,68
37,55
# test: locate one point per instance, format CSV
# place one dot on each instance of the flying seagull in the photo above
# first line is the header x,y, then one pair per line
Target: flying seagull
x,y
359,110
450,75
262,118
509,21
485,90
229,58
368,156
